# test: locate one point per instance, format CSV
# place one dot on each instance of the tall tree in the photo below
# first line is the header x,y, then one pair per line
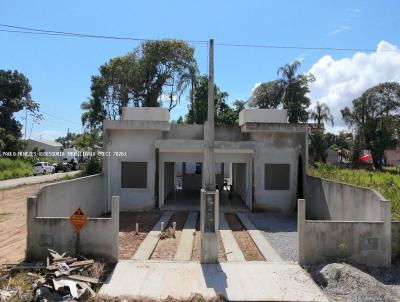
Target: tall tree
x,y
224,114
15,95
154,73
375,118
266,95
320,114
294,91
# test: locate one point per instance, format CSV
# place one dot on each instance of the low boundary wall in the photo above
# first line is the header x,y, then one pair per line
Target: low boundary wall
x,y
364,242
63,198
342,221
49,227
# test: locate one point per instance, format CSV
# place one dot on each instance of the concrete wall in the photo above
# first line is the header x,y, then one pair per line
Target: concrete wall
x,y
185,131
139,146
363,242
98,238
262,116
63,198
395,239
330,200
145,114
277,148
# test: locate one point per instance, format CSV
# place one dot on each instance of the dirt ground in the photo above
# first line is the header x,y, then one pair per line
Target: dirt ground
x,y
246,244
13,222
196,246
128,240
166,248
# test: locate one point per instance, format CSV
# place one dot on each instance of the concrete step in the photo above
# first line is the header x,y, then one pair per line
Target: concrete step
x,y
185,246
148,245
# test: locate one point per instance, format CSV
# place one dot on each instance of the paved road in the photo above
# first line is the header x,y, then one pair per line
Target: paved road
x,y
30,180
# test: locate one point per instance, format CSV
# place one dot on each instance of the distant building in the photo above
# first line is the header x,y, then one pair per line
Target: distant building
x,y
47,146
392,157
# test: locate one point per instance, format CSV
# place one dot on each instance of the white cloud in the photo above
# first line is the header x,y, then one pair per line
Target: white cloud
x,y
340,81
49,135
338,30
255,86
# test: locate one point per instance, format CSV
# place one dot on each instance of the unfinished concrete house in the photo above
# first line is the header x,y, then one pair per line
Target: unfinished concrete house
x,y
260,164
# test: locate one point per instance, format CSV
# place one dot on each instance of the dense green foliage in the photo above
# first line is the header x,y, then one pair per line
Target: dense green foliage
x,y
14,168
266,96
375,118
14,96
223,113
288,91
155,72
386,182
294,92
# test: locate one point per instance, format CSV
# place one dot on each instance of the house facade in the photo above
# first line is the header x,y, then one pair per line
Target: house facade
x,y
259,164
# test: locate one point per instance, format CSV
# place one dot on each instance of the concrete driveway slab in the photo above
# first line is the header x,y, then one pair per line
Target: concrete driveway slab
x,y
237,281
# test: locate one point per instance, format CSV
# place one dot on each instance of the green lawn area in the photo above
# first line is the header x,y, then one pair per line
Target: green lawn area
x,y
14,168
386,182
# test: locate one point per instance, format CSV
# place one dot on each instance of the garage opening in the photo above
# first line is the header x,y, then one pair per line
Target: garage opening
x,y
183,182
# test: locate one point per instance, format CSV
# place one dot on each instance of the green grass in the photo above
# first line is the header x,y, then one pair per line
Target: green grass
x,y
386,182
14,168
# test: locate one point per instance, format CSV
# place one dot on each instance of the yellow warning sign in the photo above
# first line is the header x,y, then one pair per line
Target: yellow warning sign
x,y
78,219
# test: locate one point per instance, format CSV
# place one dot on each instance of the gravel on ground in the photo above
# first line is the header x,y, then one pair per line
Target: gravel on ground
x,y
348,283
166,248
280,230
129,241
246,244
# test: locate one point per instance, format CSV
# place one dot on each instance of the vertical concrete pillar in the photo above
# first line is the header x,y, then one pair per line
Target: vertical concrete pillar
x,y
115,223
31,213
386,216
209,226
301,217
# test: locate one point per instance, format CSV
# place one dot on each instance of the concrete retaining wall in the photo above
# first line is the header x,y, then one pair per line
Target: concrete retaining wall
x,y
331,200
364,242
395,239
63,198
98,238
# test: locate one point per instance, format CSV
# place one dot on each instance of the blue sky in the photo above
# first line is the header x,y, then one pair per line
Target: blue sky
x,y
59,68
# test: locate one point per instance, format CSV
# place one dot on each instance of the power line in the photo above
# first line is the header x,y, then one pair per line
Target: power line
x,y
27,30
36,31
60,118
298,47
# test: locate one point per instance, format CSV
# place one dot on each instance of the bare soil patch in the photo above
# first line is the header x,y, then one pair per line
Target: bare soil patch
x,y
196,245
166,248
129,241
13,222
246,244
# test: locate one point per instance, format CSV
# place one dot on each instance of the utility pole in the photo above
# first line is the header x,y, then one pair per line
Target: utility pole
x,y
209,178
209,196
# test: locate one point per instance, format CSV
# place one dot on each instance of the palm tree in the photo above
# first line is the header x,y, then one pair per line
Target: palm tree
x,y
294,91
321,113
